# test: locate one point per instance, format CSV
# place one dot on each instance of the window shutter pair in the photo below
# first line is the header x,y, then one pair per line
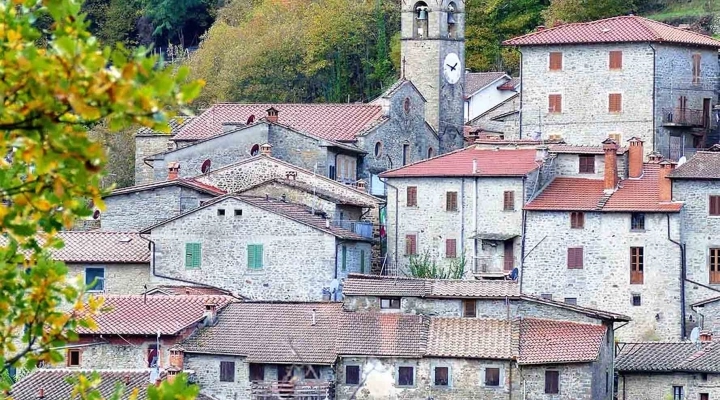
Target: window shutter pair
x,y
451,201
715,205
615,102
192,255
575,258
412,196
255,256
555,103
577,220
696,58
410,245
509,200
587,164
616,59
556,61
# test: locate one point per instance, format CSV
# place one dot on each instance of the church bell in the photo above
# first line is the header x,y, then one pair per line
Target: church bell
x,y
422,13
451,19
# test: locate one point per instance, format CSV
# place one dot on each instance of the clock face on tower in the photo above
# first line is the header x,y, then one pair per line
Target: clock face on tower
x,y
452,68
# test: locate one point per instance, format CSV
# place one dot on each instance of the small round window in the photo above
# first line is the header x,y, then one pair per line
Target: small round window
x,y
406,105
431,152
378,149
255,150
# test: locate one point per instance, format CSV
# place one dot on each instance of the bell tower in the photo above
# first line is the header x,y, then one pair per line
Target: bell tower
x,y
433,58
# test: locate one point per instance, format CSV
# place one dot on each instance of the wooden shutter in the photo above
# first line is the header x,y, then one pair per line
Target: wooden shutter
x,y
469,307
362,261
577,220
616,59
450,248
554,103
508,200
586,164
575,258
344,258
227,371
192,255
255,255
556,61
615,102
451,201
715,265
637,265
412,196
696,58
410,245
714,205
508,256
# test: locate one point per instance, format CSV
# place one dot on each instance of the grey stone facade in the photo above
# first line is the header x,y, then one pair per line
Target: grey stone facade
x,y
120,279
146,145
656,386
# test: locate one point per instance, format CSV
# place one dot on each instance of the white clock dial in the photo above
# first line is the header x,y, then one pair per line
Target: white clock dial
x,y
452,68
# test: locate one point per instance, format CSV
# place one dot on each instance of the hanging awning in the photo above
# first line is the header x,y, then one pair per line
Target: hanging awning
x,y
498,237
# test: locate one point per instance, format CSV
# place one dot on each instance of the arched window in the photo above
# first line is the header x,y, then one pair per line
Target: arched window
x,y
406,105
421,20
255,150
378,149
452,21
431,152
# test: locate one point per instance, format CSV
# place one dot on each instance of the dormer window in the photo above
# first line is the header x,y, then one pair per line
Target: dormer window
x,y
421,20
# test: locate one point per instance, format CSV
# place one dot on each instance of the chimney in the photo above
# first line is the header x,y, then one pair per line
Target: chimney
x,y
177,358
540,153
272,114
635,155
171,375
540,28
173,170
210,314
655,157
266,149
611,178
314,318
362,185
475,170
41,394
664,183
127,379
706,337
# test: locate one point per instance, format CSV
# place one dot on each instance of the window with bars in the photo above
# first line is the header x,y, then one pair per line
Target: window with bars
x,y
509,200
555,103
450,248
715,265
637,265
410,245
255,256
412,196
552,382
451,201
193,255
575,257
577,220
637,221
616,59
615,102
469,308
714,207
556,61
227,371
696,60
586,164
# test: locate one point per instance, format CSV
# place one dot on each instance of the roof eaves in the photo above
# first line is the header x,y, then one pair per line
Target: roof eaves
x,y
591,312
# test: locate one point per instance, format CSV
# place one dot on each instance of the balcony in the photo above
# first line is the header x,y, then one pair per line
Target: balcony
x,y
274,390
684,118
362,228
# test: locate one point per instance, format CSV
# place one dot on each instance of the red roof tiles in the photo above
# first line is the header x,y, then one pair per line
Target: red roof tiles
x,y
326,121
628,28
704,165
383,334
548,341
102,247
490,163
470,338
55,386
374,285
475,81
575,149
188,183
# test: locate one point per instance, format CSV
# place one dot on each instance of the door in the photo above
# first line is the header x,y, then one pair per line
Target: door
x,y
706,113
509,256
675,147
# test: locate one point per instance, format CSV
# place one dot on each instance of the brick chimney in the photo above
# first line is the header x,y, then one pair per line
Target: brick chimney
x,y
266,149
664,183
177,358
173,170
706,336
635,155
611,179
540,28
172,373
210,313
272,114
655,157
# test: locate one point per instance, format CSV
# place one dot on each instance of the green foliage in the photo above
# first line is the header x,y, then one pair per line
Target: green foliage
x,y
424,266
56,80
566,11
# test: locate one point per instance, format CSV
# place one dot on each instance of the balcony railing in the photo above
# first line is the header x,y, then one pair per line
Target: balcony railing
x,y
684,117
362,228
273,390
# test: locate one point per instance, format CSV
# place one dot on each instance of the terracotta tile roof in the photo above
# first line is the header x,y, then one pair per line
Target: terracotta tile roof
x,y
469,338
575,149
102,247
148,315
305,187
273,333
186,182
327,121
669,357
174,123
55,386
475,81
375,285
582,194
512,84
590,312
703,165
383,334
628,28
396,86
522,143
548,341
490,163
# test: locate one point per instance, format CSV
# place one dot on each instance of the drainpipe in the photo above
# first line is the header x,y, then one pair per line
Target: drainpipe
x,y
654,117
462,216
682,279
522,239
475,216
397,210
337,247
624,386
520,112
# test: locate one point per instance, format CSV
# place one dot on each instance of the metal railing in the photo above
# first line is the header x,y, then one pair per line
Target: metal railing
x,y
362,228
684,117
272,390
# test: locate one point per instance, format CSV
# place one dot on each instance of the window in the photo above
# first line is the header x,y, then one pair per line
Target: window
x,y
227,371
586,164
552,384
714,206
192,255
615,102
406,152
220,212
696,59
704,396
255,256
451,201
616,59
636,300
152,356
492,376
362,261
410,245
255,150
636,265
257,372
431,152
344,258
575,257
508,255
95,279
450,248
73,358
332,174
285,373
577,220
571,301
469,308
508,200
715,265
412,196
238,212
637,221
352,374
406,376
704,377
555,103
390,303
678,393
378,149
441,376
546,296
556,61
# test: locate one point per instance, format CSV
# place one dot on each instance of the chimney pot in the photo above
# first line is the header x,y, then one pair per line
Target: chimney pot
x,y
210,313
272,114
611,178
635,155
177,358
266,149
41,395
664,183
362,185
706,337
540,28
655,157
173,170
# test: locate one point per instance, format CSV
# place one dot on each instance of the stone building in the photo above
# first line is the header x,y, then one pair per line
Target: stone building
x,y
619,77
669,370
485,91
465,205
499,122
149,142
610,243
260,248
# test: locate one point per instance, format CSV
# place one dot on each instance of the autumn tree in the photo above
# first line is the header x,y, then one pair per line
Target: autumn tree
x,y
566,11
52,90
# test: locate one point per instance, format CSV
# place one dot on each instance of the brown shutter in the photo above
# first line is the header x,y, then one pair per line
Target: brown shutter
x,y
450,248
615,102
696,68
556,59
555,103
508,200
410,245
616,59
714,205
509,256
412,196
451,201
575,258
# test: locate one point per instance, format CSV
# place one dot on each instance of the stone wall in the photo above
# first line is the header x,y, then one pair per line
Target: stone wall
x,y
207,373
114,352
575,382
120,279
710,317
604,280
569,165
510,123
147,145
650,386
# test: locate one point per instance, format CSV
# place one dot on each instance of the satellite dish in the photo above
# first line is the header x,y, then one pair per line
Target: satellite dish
x,y
682,161
96,214
514,274
205,166
334,285
154,375
695,335
250,119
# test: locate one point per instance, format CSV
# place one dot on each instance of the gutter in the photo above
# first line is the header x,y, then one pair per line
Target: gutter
x,y
682,279
654,118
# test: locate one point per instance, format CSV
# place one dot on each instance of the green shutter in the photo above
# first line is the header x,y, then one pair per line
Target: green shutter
x,y
192,255
255,256
362,261
344,258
